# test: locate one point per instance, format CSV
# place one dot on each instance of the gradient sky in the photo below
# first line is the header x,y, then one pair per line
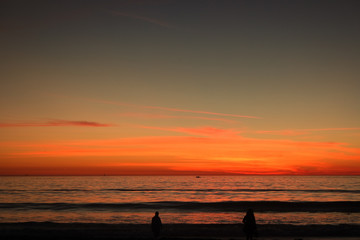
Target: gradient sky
x,y
179,87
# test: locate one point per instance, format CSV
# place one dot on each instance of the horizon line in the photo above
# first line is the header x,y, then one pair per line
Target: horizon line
x,y
175,175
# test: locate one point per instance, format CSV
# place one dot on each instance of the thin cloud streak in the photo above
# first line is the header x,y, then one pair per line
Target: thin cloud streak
x,y
56,123
173,109
202,131
295,132
163,116
201,112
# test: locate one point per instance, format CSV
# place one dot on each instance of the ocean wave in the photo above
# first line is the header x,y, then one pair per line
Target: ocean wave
x,y
234,190
229,206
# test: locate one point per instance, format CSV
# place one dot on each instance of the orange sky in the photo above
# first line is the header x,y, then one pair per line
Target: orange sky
x,y
180,87
59,147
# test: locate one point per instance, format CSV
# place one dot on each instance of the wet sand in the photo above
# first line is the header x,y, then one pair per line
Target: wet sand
x,y
69,231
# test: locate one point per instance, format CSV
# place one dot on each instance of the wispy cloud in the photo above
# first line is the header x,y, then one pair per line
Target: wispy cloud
x,y
56,123
209,131
164,116
173,109
295,132
202,131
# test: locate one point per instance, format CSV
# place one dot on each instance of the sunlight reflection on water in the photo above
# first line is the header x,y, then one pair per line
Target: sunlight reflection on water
x,y
170,188
82,190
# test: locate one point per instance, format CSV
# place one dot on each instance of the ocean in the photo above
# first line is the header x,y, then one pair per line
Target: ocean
x,y
297,200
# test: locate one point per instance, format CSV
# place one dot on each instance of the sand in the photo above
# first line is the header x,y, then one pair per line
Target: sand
x,y
69,231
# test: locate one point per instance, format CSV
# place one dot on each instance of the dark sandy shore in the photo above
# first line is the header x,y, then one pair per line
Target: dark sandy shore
x,y
69,231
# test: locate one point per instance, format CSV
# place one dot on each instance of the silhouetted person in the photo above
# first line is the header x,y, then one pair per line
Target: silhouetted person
x,y
156,225
249,224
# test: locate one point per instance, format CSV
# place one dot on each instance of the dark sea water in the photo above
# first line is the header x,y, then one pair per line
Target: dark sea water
x,y
298,200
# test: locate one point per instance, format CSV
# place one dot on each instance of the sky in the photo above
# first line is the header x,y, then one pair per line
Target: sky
x,y
179,87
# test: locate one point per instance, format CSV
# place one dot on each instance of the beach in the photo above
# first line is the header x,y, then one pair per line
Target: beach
x,y
68,231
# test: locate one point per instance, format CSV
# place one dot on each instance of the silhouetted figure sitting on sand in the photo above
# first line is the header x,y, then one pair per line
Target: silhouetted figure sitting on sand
x,y
156,225
249,224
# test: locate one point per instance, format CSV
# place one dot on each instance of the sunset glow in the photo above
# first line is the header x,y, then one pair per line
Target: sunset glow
x,y
134,90
175,150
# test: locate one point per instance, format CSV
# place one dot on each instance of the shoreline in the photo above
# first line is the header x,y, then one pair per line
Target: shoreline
x,y
47,230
